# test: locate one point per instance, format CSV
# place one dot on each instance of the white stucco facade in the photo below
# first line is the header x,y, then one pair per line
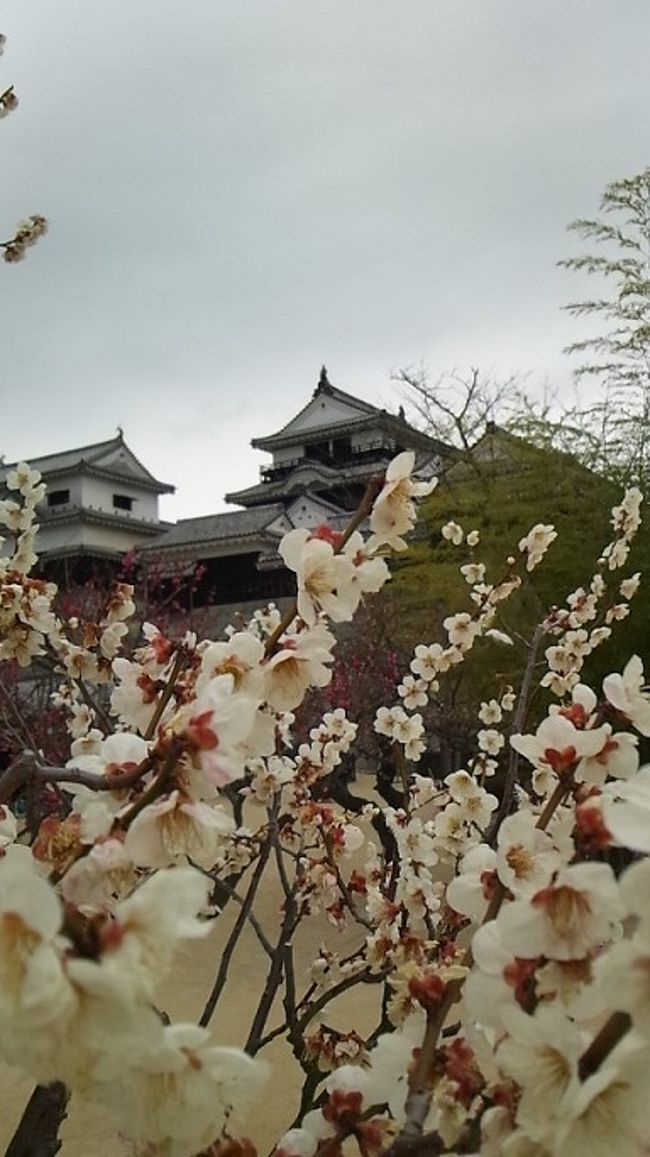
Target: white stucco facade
x,y
99,498
99,493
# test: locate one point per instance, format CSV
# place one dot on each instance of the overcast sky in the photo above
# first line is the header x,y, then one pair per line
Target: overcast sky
x,y
239,191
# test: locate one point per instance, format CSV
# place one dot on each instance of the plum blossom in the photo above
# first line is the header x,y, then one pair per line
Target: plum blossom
x,y
393,513
508,700
630,586
241,657
541,1054
409,729
559,745
462,630
388,719
413,692
141,940
618,758
451,829
470,890
627,694
497,979
135,695
215,728
490,712
175,828
453,533
475,803
490,741
368,573
607,1112
626,811
625,968
300,662
414,838
99,878
473,572
269,776
527,858
23,478
566,920
34,991
183,1093
536,543
626,517
324,577
111,757
429,661
8,827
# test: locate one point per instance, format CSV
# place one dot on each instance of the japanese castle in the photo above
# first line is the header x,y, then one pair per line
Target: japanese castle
x,y
102,502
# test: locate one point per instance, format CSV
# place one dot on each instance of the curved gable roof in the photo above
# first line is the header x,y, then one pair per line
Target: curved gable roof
x,y
112,458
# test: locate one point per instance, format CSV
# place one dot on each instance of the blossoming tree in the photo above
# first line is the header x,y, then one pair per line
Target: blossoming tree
x,y
510,959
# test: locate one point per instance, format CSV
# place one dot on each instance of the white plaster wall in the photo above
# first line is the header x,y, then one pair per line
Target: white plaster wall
x,y
287,454
366,438
306,512
324,411
112,537
97,494
71,482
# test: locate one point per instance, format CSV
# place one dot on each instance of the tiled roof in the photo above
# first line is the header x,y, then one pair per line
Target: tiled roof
x,y
332,392
363,415
67,459
319,474
91,456
217,527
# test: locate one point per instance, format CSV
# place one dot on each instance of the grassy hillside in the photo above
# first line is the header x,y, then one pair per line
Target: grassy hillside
x,y
510,487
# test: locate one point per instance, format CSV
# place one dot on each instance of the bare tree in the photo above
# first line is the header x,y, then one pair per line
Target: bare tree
x,y
457,406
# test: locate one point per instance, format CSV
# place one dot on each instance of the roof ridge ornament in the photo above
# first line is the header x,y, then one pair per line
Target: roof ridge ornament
x,y
324,385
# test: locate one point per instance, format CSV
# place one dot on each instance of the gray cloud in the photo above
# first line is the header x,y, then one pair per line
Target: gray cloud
x,y
240,190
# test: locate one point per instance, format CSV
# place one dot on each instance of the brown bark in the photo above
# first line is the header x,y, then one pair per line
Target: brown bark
x,y
37,1134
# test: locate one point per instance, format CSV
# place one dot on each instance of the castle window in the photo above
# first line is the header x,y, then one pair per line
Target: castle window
x,y
58,497
122,502
319,451
342,449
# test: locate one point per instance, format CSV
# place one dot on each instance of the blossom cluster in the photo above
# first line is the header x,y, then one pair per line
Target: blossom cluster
x,y
27,232
501,908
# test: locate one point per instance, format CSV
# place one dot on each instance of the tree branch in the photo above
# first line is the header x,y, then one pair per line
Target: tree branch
x,y
37,1134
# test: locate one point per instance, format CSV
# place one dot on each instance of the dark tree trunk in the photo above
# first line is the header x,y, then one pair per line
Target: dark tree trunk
x,y
37,1134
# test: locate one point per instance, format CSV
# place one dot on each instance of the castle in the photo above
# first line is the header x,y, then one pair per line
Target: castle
x,y
101,501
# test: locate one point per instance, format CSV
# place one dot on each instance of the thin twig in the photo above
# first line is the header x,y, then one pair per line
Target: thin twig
x,y
312,1010
601,1046
233,894
289,924
518,722
343,888
90,701
231,943
26,737
166,693
157,787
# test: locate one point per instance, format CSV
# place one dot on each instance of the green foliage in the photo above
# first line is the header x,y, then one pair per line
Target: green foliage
x,y
503,490
617,354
